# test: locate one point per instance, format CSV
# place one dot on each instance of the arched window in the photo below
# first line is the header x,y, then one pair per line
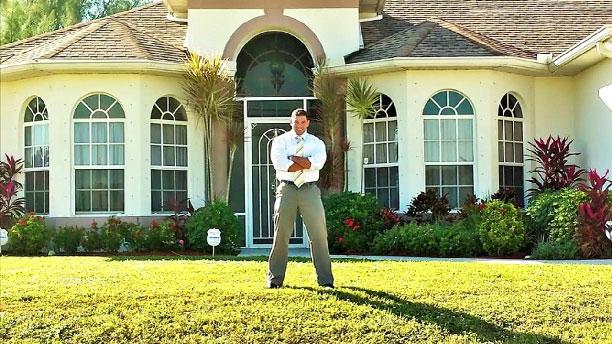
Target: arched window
x,y
36,152
510,145
380,167
99,154
274,64
168,155
449,146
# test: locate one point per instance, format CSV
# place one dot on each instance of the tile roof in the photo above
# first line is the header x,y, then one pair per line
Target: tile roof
x,y
435,38
519,28
143,33
409,28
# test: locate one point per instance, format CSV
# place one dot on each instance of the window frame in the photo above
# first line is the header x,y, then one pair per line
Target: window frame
x,y
514,120
108,167
31,124
440,164
161,167
386,119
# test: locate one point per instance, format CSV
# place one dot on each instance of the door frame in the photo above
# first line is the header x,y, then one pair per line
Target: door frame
x,y
248,172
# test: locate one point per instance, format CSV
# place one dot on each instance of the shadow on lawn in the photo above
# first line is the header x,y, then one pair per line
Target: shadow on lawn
x,y
453,321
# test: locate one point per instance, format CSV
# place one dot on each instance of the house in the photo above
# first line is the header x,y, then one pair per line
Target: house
x,y
97,111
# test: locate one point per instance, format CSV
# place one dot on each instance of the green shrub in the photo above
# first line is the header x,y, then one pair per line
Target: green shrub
x,y
214,215
28,235
556,250
553,215
422,240
501,230
92,239
389,242
461,240
68,239
362,211
159,237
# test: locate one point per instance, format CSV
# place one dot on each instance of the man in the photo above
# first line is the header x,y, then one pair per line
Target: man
x,y
297,158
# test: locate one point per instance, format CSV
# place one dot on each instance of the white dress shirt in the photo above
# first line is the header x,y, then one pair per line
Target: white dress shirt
x,y
284,146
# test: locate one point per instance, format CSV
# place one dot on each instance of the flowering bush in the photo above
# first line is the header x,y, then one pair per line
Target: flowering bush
x,y
160,237
594,214
553,171
353,239
28,235
92,239
68,239
501,230
346,210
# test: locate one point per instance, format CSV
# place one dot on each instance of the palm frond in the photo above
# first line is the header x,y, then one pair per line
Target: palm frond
x,y
360,97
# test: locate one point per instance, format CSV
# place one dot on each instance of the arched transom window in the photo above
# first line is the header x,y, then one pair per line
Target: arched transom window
x,y
380,162
168,155
99,154
36,153
510,145
449,146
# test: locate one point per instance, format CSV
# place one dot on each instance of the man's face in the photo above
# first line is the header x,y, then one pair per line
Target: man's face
x,y
300,124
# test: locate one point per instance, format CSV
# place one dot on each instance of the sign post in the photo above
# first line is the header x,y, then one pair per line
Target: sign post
x,y
214,238
3,238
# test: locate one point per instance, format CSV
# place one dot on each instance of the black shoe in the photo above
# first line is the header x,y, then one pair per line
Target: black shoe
x,y
273,286
328,286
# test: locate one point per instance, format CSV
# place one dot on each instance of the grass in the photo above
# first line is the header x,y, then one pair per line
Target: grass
x,y
175,300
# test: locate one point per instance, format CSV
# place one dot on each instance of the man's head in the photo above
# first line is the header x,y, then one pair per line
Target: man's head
x,y
299,121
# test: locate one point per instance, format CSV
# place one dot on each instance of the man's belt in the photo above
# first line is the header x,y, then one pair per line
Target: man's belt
x,y
290,182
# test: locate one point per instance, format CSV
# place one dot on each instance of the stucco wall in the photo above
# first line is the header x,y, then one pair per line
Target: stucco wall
x,y
547,103
593,118
61,93
337,29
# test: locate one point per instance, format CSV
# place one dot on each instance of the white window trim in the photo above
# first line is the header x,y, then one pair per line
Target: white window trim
x,y
455,117
32,125
161,167
76,167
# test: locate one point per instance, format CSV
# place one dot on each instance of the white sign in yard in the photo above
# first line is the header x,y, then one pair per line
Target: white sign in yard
x,y
214,238
3,238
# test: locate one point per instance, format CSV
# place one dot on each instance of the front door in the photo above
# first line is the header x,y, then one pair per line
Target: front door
x,y
261,189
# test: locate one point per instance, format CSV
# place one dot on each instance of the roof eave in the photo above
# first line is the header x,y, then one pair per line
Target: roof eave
x,y
511,64
583,46
47,67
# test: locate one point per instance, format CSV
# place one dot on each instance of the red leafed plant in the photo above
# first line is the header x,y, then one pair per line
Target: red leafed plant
x,y
593,216
391,218
554,172
11,206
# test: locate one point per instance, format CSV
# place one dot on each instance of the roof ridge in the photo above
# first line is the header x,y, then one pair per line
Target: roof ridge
x,y
421,31
132,40
77,25
148,34
489,43
78,35
391,36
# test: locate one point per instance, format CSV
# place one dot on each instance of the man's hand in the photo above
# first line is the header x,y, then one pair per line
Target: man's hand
x,y
304,163
294,168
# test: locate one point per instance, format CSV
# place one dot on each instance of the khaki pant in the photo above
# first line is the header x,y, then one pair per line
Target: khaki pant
x,y
307,199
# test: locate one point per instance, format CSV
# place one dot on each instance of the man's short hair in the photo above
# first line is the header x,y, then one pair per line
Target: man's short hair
x,y
300,112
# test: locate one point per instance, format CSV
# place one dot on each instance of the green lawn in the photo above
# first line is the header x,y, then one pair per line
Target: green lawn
x,y
138,300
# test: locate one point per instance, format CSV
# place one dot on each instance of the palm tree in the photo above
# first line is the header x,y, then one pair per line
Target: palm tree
x,y
210,92
361,97
331,92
